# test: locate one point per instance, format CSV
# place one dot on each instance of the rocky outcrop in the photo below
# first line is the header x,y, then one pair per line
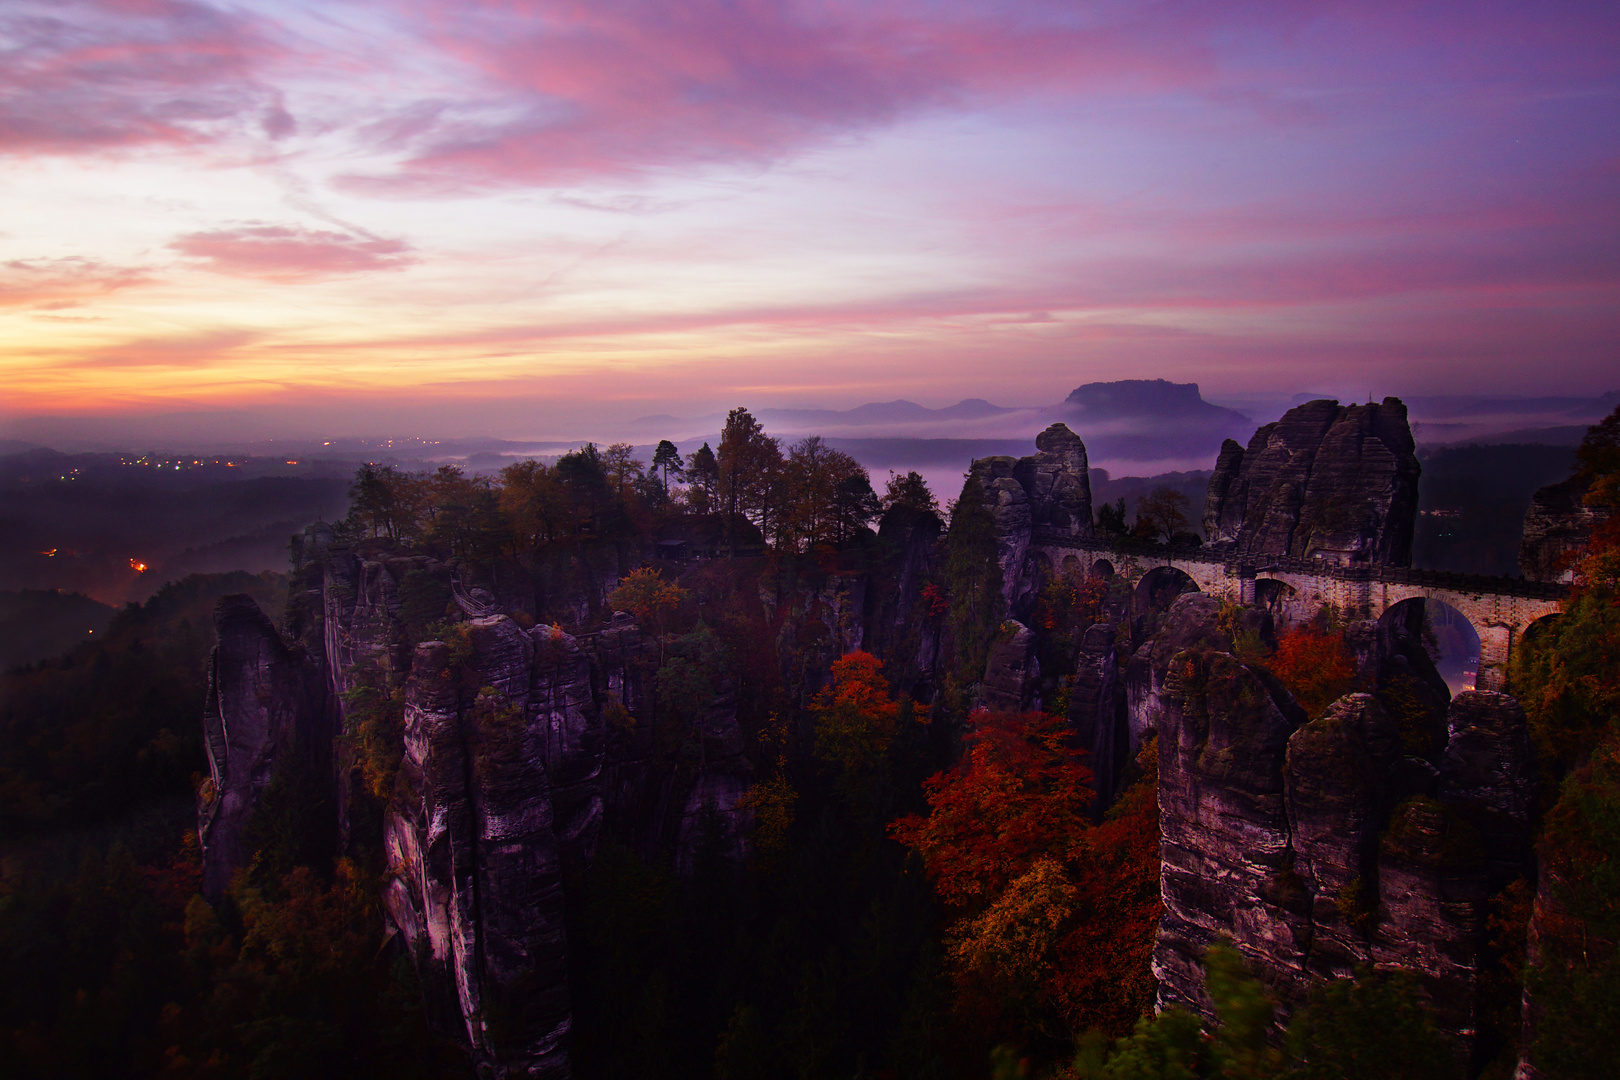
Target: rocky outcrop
x,y
1057,480
263,701
1050,490
1011,670
1338,799
476,882
1227,861
1009,508
1326,481
1557,529
1319,847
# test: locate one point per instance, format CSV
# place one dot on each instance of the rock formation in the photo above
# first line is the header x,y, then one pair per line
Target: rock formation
x,y
1557,527
1326,481
1050,490
261,705
1057,480
476,882
1322,846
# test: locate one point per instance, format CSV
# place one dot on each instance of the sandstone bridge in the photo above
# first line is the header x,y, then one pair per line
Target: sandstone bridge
x,y
1500,609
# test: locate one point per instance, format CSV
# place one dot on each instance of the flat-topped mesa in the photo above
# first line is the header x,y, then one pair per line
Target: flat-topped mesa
x,y
1327,481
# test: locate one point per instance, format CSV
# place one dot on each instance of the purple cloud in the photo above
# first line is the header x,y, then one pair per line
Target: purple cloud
x,y
82,75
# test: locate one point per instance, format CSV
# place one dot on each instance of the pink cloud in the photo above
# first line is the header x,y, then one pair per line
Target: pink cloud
x,y
81,75
53,284
289,254
572,91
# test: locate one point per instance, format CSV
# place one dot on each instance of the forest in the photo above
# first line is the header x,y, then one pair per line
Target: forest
x,y
930,885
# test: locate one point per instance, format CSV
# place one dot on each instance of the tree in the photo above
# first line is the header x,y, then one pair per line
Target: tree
x,y
584,479
1111,518
622,468
667,460
1569,682
1019,794
856,717
533,499
372,500
855,504
704,473
909,490
748,460
1163,510
645,594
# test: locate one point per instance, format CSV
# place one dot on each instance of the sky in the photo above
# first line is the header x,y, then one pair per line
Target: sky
x,y
526,217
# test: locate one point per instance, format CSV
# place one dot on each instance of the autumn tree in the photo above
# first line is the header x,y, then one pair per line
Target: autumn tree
x,y
748,462
534,501
1054,917
856,716
1316,665
1020,793
645,594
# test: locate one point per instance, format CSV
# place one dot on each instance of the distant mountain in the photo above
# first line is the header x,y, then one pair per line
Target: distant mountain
x,y
1150,420
1148,399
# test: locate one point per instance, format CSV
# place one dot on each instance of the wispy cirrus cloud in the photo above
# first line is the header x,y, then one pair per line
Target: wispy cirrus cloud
x,y
563,92
93,75
54,284
289,253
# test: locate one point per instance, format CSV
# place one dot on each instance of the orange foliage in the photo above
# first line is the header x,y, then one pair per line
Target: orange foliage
x,y
855,715
1057,916
1101,976
1315,664
1019,793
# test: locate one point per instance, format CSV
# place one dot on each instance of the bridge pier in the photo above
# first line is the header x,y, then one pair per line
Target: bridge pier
x,y
1495,650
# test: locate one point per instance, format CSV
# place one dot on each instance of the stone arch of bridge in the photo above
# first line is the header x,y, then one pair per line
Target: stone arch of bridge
x,y
1454,641
1500,620
1159,586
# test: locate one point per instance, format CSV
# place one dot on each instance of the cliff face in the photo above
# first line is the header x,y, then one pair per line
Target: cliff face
x,y
1557,528
1319,846
521,747
263,700
1325,481
476,882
